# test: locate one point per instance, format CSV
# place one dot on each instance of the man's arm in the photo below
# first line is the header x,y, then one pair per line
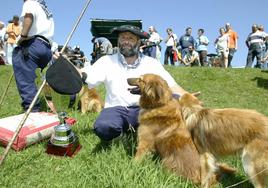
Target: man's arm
x,y
26,26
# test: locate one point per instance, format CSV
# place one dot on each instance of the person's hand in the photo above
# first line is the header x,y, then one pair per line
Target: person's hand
x,y
21,39
56,55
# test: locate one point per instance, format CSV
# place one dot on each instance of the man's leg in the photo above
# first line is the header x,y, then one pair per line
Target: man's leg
x,y
230,56
35,54
171,56
250,58
203,57
24,72
166,56
112,122
259,53
9,53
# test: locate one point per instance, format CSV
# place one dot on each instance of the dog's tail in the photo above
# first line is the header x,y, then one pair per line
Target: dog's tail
x,y
226,169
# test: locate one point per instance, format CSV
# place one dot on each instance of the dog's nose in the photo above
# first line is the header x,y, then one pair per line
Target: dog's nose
x,y
131,81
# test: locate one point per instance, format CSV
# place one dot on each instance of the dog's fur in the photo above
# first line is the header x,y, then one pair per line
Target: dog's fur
x,y
90,100
162,129
228,131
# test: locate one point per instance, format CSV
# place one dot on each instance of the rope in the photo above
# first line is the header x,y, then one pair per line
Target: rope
x,y
248,179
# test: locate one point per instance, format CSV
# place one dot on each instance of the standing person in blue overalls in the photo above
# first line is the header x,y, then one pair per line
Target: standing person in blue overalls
x,y
33,50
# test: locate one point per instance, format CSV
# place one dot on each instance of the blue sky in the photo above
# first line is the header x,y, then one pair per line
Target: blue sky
x,y
207,14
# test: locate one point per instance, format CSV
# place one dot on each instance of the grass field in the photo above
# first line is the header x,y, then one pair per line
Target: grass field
x,y
111,165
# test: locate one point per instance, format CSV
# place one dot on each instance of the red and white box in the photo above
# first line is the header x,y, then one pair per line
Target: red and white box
x,y
38,126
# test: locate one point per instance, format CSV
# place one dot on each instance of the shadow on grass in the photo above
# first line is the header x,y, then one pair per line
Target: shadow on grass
x,y
261,82
128,141
229,180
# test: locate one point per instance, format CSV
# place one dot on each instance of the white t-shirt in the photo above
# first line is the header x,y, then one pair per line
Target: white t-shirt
x,y
41,24
113,71
154,37
171,40
222,43
190,57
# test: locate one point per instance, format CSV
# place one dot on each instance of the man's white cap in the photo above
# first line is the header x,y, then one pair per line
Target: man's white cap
x,y
228,24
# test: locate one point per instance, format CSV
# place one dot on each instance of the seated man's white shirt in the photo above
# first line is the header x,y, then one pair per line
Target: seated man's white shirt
x,y
189,57
114,74
44,26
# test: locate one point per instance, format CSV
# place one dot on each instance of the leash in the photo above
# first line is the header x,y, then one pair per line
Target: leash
x,y
248,179
39,91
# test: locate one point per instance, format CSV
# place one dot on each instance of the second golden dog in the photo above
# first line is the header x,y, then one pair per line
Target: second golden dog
x,y
229,131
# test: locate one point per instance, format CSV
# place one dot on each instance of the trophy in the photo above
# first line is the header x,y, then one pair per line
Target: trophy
x,y
63,141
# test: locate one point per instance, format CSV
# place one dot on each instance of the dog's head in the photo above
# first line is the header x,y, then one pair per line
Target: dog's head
x,y
189,100
189,104
154,90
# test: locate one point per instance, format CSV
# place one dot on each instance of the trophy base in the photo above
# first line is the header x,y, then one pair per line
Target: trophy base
x,y
68,151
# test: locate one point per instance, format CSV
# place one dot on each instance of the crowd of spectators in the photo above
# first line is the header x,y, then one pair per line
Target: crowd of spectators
x,y
185,50
190,51
9,36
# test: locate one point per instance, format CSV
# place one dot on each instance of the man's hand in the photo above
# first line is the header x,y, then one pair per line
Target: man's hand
x,y
56,55
21,39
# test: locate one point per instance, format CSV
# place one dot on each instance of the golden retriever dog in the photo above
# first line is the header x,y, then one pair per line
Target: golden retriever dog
x,y
229,131
162,129
90,100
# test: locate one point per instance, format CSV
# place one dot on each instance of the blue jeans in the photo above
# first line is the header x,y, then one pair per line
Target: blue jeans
x,y
32,54
150,51
113,121
230,56
255,50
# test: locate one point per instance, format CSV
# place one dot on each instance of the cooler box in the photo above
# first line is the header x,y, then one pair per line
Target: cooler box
x,y
38,126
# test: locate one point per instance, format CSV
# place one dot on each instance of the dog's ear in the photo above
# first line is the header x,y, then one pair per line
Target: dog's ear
x,y
154,91
196,94
159,92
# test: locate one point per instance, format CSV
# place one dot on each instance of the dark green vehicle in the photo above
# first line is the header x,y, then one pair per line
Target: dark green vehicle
x,y
102,27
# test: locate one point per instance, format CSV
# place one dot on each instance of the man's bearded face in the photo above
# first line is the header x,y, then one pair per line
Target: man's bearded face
x,y
128,44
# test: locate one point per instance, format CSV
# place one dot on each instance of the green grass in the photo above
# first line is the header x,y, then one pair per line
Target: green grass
x,y
111,165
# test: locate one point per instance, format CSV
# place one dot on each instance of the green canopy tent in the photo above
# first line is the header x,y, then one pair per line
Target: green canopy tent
x,y
102,27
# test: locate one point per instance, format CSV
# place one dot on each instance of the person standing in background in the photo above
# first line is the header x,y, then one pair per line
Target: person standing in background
x,y
2,43
13,31
186,40
33,50
255,42
264,49
171,43
221,45
202,47
151,46
232,45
